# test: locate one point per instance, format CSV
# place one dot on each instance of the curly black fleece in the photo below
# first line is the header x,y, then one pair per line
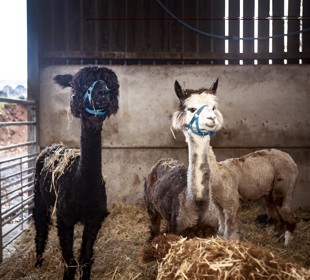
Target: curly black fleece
x,y
81,195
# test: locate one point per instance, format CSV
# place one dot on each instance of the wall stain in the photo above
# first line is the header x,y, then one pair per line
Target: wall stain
x,y
136,180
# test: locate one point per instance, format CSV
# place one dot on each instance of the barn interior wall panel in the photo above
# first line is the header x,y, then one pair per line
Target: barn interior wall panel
x,y
140,31
263,107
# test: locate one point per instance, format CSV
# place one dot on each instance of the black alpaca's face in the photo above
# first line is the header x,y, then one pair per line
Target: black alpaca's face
x,y
94,94
95,102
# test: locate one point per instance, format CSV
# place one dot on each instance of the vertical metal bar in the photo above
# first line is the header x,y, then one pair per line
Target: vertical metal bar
x,y
1,239
33,137
22,191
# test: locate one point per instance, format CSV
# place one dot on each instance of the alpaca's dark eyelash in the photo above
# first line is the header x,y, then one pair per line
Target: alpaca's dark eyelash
x,y
192,110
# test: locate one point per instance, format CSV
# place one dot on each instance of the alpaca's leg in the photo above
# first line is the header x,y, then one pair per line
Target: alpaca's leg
x,y
42,219
168,227
155,219
174,225
221,219
272,211
231,224
207,231
282,195
89,237
289,220
65,234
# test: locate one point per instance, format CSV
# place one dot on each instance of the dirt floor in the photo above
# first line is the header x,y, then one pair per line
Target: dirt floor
x,y
122,237
10,135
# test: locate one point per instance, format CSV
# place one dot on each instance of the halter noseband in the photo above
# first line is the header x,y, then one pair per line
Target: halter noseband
x,y
87,95
195,119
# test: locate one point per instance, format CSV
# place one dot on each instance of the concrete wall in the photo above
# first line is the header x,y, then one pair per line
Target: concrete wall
x,y
263,106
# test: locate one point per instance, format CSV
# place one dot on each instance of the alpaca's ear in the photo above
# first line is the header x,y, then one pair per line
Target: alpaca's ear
x,y
178,90
63,80
213,88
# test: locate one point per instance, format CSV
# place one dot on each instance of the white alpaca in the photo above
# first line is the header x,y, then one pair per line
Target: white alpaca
x,y
180,195
269,174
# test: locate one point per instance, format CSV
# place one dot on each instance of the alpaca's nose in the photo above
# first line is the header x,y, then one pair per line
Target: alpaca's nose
x,y
211,116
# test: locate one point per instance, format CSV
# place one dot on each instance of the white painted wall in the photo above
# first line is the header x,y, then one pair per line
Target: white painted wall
x,y
263,106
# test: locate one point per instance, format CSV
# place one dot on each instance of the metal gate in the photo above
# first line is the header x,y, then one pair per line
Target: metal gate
x,y
17,165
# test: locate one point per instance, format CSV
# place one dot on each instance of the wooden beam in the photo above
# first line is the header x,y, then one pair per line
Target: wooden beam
x,y
168,55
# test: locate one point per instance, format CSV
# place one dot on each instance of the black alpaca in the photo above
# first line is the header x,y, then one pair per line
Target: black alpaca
x,y
69,181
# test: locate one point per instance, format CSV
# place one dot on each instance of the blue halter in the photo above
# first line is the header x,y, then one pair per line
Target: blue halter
x,y
87,95
195,120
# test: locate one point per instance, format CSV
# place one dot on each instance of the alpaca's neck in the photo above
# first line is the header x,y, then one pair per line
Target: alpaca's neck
x,y
201,160
90,159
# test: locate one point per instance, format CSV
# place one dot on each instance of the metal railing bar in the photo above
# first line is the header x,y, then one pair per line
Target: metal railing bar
x,y
18,101
19,157
17,145
17,225
18,164
15,209
8,197
17,123
17,173
30,185
12,239
17,214
20,194
16,235
15,182
6,214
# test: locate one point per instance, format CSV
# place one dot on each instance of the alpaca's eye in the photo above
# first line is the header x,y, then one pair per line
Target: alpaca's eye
x,y
192,110
213,108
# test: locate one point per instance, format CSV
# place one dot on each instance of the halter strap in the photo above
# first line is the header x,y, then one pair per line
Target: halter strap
x,y
195,119
87,95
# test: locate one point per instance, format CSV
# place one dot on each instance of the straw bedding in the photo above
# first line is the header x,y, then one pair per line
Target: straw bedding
x,y
123,236
215,258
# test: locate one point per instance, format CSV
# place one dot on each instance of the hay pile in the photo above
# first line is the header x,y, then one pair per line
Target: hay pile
x,y
218,259
122,236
